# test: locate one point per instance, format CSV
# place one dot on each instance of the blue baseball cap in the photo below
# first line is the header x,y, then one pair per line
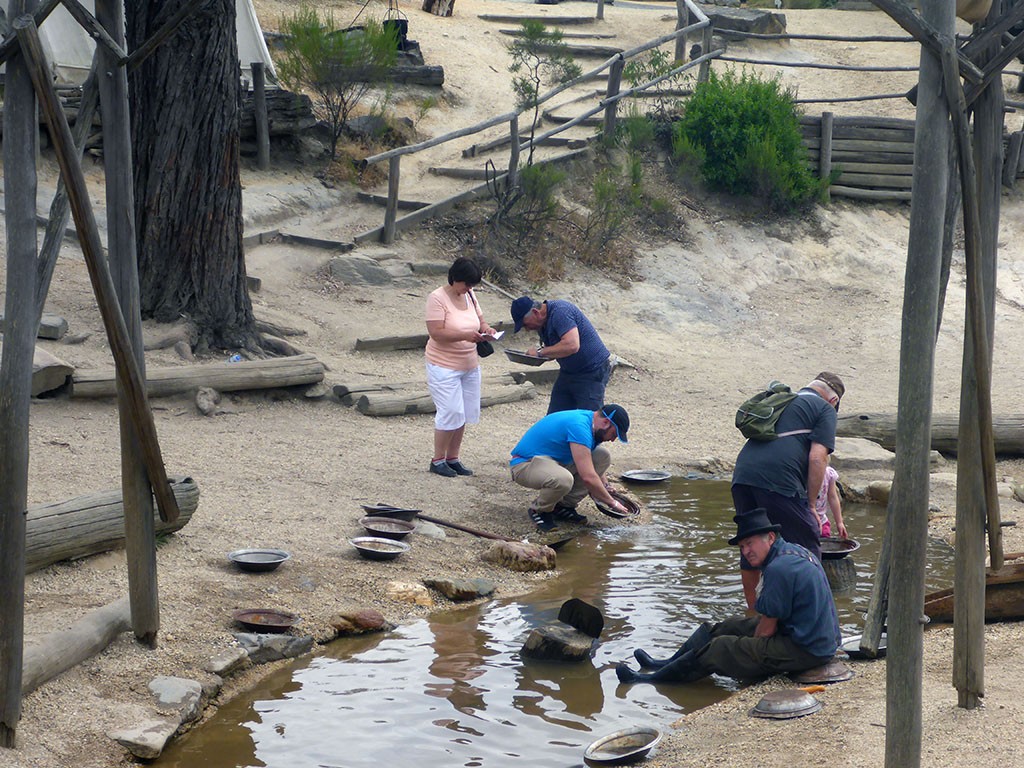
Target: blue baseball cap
x,y
521,308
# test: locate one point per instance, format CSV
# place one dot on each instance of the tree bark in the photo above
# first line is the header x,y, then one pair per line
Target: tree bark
x,y
185,106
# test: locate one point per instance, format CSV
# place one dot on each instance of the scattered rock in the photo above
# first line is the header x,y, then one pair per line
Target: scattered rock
x,y
76,338
459,590
263,648
404,592
184,350
207,399
147,740
557,643
879,491
227,662
358,270
360,622
178,694
856,453
520,556
430,530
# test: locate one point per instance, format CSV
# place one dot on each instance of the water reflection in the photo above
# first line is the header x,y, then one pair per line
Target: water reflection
x,y
452,690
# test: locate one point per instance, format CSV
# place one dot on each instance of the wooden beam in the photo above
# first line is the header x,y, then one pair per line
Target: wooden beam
x,y
10,43
224,377
60,651
78,195
94,29
927,35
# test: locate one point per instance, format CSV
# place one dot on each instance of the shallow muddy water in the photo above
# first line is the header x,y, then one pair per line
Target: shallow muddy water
x,y
451,690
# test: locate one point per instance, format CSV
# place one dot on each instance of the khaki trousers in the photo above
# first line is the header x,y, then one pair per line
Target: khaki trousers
x,y
557,483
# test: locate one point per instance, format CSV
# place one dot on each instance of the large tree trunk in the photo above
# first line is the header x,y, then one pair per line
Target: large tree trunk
x,y
185,106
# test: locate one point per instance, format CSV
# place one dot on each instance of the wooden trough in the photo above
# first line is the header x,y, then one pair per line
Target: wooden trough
x,y
1004,597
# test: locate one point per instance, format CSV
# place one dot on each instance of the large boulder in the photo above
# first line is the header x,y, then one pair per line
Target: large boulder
x,y
520,556
557,643
752,20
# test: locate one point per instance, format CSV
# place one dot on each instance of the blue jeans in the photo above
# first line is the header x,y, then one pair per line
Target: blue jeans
x,y
583,391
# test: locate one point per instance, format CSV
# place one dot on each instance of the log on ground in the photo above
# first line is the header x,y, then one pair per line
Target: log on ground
x,y
224,377
349,393
404,403
1008,431
58,652
94,523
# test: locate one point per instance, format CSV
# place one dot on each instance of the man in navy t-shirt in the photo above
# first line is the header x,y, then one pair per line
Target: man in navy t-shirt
x,y
784,475
795,629
566,335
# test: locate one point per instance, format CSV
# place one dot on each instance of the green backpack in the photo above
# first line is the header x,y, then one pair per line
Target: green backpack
x,y
756,418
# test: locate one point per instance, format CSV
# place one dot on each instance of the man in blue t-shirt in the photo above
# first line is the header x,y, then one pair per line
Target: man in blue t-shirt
x,y
796,628
566,335
784,475
561,457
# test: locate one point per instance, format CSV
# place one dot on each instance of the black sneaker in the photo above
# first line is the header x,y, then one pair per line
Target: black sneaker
x,y
569,515
442,469
460,468
542,520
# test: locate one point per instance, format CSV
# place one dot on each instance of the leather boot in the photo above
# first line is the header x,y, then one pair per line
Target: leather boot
x,y
683,670
696,641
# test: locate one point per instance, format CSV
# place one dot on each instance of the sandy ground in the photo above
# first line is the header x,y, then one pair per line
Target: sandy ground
x,y
744,301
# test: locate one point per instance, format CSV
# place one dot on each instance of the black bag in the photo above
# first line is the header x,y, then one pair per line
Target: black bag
x,y
484,348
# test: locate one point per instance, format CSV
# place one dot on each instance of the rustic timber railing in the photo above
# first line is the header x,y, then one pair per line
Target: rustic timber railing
x,y
608,105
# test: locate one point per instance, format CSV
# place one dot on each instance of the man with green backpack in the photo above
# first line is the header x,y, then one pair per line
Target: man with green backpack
x,y
782,465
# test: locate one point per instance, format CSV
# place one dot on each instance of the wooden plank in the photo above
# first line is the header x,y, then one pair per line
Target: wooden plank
x,y
869,194
382,200
476,174
223,377
93,523
1012,159
872,180
551,21
862,121
857,156
502,141
863,133
388,404
887,169
317,242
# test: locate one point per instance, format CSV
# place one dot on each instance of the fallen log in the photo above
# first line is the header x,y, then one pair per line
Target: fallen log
x,y
1008,431
224,377
400,404
94,523
349,393
58,652
415,341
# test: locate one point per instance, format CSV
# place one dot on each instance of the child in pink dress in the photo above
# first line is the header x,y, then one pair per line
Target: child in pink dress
x,y
828,499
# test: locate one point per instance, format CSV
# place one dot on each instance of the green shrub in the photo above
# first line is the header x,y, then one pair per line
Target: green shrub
x,y
745,135
643,69
338,66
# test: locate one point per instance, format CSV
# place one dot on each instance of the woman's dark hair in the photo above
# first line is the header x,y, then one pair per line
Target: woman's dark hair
x,y
466,271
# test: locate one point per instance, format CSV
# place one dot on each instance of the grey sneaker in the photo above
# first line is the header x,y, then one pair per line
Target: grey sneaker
x,y
460,468
442,469
542,520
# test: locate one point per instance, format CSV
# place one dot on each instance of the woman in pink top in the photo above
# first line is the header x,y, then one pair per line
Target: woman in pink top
x,y
455,324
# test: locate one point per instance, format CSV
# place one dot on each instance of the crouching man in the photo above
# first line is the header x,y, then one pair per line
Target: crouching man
x,y
796,628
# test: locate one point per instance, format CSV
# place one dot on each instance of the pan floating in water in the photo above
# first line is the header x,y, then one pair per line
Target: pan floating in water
x,y
645,476
785,704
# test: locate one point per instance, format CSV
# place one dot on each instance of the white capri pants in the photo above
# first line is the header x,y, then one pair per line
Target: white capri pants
x,y
456,396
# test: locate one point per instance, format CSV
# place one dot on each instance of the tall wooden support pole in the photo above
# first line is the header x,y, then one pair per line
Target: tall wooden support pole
x,y
907,524
600,10
21,133
977,502
391,208
682,20
140,531
614,84
705,44
259,102
512,181
825,152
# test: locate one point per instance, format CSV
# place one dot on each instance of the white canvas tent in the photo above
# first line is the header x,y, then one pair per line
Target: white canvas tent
x,y
70,49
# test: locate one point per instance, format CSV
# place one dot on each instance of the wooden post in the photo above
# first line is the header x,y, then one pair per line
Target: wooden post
x,y
705,43
600,10
1012,159
259,100
825,153
907,526
140,533
512,180
614,81
682,20
99,274
21,132
391,209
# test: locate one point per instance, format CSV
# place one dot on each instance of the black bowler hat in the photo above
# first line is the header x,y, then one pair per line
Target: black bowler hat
x,y
752,523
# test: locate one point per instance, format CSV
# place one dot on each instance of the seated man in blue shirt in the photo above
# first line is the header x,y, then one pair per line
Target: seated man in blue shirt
x,y
796,629
566,335
561,457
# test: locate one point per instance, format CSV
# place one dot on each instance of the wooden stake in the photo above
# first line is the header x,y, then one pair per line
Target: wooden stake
x,y
259,98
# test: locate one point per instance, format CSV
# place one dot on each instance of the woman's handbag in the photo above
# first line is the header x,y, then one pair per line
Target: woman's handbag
x,y
484,348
